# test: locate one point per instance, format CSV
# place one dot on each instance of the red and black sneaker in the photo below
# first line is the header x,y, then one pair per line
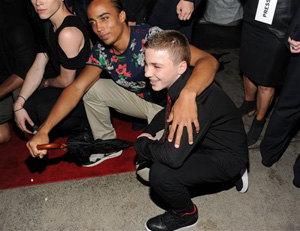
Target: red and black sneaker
x,y
170,221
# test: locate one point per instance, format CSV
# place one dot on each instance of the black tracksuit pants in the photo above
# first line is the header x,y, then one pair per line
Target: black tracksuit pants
x,y
202,167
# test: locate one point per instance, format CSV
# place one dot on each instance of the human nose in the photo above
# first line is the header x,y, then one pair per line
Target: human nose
x,y
37,2
147,72
99,26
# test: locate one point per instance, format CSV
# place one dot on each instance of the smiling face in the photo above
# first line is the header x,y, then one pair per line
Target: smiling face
x,y
107,23
161,70
46,8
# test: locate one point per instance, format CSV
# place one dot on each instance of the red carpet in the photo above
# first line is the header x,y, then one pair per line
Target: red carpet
x,y
19,169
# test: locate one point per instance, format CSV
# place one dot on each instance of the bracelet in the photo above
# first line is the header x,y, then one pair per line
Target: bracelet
x,y
18,109
22,97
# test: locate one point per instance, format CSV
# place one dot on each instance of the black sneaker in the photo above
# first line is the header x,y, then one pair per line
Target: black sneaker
x,y
170,221
248,108
242,184
143,169
255,131
296,169
96,159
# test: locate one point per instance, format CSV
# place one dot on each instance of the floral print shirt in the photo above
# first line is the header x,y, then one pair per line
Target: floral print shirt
x,y
127,69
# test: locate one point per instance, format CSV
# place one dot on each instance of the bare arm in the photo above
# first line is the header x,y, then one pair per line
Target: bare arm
x,y
71,41
34,76
32,81
184,111
66,102
10,84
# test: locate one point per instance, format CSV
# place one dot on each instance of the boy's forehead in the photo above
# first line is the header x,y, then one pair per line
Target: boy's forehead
x,y
157,52
157,55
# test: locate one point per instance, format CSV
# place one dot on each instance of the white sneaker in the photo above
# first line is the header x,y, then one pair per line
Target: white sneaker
x,y
143,170
96,159
242,184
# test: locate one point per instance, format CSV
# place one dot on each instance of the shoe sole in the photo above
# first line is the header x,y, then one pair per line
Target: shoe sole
x,y
183,228
251,113
245,182
116,154
142,172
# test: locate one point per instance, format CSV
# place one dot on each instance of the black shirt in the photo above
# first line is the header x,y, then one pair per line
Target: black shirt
x,y
221,128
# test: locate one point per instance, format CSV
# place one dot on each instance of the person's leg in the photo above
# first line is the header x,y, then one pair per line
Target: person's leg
x,y
5,133
6,113
249,88
265,97
249,105
284,118
41,103
105,94
172,184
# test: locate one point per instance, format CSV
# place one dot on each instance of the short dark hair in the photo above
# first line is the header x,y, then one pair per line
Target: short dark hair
x,y
174,42
116,4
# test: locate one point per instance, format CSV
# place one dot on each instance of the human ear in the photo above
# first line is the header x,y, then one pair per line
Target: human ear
x,y
122,16
182,66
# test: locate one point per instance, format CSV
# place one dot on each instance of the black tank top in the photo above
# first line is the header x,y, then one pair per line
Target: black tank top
x,y
57,55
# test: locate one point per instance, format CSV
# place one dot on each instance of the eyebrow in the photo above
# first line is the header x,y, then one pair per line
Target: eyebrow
x,y
99,16
154,63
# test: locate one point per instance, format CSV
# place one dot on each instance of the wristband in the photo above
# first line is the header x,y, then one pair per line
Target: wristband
x,y
18,109
22,97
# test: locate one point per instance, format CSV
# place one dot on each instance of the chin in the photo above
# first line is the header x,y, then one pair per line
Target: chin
x,y
106,42
157,88
43,17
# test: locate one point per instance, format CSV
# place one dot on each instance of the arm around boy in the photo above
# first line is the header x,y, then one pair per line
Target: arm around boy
x,y
219,152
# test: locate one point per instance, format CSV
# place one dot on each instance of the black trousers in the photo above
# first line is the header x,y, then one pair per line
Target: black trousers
x,y
202,167
39,105
285,117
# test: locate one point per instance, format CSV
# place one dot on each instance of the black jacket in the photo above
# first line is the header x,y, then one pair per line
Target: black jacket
x,y
221,129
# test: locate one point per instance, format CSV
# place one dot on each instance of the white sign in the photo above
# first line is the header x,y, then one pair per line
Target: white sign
x,y
265,11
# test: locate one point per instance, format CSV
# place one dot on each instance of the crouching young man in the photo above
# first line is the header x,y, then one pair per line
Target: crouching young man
x,y
219,152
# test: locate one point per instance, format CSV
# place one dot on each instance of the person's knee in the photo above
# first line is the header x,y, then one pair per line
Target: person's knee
x,y
266,90
95,92
160,176
88,95
5,133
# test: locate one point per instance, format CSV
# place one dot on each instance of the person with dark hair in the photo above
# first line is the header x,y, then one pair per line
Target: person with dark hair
x,y
64,44
121,53
219,152
17,53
